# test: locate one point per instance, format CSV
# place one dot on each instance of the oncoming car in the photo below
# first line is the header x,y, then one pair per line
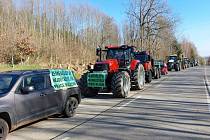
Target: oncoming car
x,y
27,96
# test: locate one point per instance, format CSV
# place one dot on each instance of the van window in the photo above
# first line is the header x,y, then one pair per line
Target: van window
x,y
6,83
48,82
37,81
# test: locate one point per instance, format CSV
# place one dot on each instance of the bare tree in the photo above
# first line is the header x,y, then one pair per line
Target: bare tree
x,y
147,22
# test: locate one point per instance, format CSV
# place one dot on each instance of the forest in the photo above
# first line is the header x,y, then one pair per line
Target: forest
x,y
52,32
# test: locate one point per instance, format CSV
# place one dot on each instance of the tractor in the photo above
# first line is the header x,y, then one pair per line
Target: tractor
x,y
193,62
151,71
186,62
162,66
174,63
116,73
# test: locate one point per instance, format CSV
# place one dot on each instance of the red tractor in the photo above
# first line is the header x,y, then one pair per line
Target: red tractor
x,y
151,71
117,73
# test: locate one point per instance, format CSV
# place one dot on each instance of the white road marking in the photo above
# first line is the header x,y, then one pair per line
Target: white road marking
x,y
159,85
155,82
206,78
207,94
205,72
66,138
128,102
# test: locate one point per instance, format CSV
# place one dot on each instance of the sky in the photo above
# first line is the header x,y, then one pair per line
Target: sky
x,y
193,15
194,22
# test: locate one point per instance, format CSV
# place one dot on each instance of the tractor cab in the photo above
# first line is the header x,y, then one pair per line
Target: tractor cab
x,y
117,57
151,71
186,60
172,58
123,54
145,58
159,63
174,63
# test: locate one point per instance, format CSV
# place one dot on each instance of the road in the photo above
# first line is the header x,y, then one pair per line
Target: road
x,y
207,76
175,107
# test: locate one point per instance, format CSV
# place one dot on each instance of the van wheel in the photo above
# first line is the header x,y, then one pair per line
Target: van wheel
x,y
70,107
4,129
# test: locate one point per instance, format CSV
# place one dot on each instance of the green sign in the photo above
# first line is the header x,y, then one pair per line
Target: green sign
x,y
97,79
62,79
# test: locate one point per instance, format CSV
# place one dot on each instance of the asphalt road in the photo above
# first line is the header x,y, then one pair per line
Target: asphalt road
x,y
174,107
207,77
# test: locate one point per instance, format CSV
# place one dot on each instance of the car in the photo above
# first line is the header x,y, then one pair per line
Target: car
x,y
30,95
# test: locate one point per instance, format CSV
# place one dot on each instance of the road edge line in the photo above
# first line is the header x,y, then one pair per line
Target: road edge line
x,y
207,89
124,105
207,95
207,82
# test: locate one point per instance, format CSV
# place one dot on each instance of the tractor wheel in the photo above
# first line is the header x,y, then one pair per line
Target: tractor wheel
x,y
149,78
85,90
156,74
138,80
120,84
176,67
4,129
160,75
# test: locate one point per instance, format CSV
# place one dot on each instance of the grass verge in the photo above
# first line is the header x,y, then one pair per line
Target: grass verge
x,y
4,67
19,67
